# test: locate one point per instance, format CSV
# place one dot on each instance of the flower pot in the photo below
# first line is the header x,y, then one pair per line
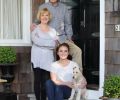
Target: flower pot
x,y
106,98
7,74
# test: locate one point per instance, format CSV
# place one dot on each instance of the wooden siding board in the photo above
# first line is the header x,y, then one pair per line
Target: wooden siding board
x,y
108,5
1,87
108,57
119,43
111,19
112,57
112,69
112,40
26,87
109,30
35,6
116,57
111,44
16,87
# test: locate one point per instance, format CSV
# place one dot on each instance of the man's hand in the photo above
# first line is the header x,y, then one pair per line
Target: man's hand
x,y
32,27
70,40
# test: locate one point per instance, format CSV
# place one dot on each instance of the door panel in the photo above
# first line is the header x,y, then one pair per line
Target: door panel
x,y
86,34
85,21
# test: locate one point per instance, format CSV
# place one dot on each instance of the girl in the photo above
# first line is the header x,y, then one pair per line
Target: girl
x,y
60,85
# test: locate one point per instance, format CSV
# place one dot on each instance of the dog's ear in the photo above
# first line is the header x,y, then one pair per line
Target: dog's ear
x,y
74,67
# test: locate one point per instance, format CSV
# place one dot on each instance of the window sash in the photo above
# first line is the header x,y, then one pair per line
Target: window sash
x,y
23,36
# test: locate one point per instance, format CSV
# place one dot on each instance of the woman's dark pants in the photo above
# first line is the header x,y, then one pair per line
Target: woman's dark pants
x,y
40,77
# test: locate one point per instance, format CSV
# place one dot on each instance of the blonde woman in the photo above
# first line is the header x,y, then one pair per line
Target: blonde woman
x,y
44,40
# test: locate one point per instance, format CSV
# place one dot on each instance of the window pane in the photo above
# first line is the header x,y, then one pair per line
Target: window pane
x,y
12,16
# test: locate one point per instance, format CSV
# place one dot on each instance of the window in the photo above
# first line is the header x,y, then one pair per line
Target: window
x,y
116,5
15,22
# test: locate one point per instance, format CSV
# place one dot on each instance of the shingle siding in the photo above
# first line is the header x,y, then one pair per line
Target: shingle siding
x,y
112,39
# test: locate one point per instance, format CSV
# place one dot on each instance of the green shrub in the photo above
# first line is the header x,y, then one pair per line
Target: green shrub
x,y
112,87
7,55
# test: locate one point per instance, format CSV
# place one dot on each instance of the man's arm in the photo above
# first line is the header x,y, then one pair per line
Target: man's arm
x,y
32,27
36,22
68,25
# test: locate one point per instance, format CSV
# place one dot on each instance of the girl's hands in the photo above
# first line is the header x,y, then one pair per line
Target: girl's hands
x,y
69,84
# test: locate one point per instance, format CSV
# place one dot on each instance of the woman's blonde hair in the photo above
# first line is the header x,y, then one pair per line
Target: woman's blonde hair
x,y
42,11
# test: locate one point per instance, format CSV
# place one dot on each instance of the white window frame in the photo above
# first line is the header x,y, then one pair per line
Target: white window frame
x,y
26,28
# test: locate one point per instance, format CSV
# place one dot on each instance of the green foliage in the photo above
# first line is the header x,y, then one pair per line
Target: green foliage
x,y
112,87
7,55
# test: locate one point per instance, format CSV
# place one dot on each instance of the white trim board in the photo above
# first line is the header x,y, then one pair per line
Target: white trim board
x,y
94,95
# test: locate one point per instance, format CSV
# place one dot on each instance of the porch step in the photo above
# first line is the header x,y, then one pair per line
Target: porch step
x,y
93,86
31,96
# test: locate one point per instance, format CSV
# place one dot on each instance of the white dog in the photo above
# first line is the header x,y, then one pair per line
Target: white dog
x,y
77,92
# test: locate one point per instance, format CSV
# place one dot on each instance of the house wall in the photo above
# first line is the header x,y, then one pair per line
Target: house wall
x,y
112,38
23,81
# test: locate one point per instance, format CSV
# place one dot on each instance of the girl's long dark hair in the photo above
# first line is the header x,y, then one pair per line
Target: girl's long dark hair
x,y
65,45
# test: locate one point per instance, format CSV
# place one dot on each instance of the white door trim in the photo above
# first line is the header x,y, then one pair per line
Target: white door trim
x,y
94,95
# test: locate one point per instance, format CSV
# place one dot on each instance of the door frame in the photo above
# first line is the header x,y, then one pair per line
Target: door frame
x,y
95,94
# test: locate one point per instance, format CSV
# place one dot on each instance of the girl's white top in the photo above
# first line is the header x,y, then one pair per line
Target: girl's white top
x,y
65,73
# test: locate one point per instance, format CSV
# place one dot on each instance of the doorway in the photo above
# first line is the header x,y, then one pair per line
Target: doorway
x,y
88,28
86,34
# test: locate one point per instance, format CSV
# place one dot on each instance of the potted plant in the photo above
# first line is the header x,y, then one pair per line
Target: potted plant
x,y
7,62
112,87
7,55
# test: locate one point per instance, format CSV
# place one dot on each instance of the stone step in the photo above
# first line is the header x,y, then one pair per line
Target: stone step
x,y
31,96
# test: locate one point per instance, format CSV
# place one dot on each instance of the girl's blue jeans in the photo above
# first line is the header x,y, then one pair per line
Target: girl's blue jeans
x,y
57,92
